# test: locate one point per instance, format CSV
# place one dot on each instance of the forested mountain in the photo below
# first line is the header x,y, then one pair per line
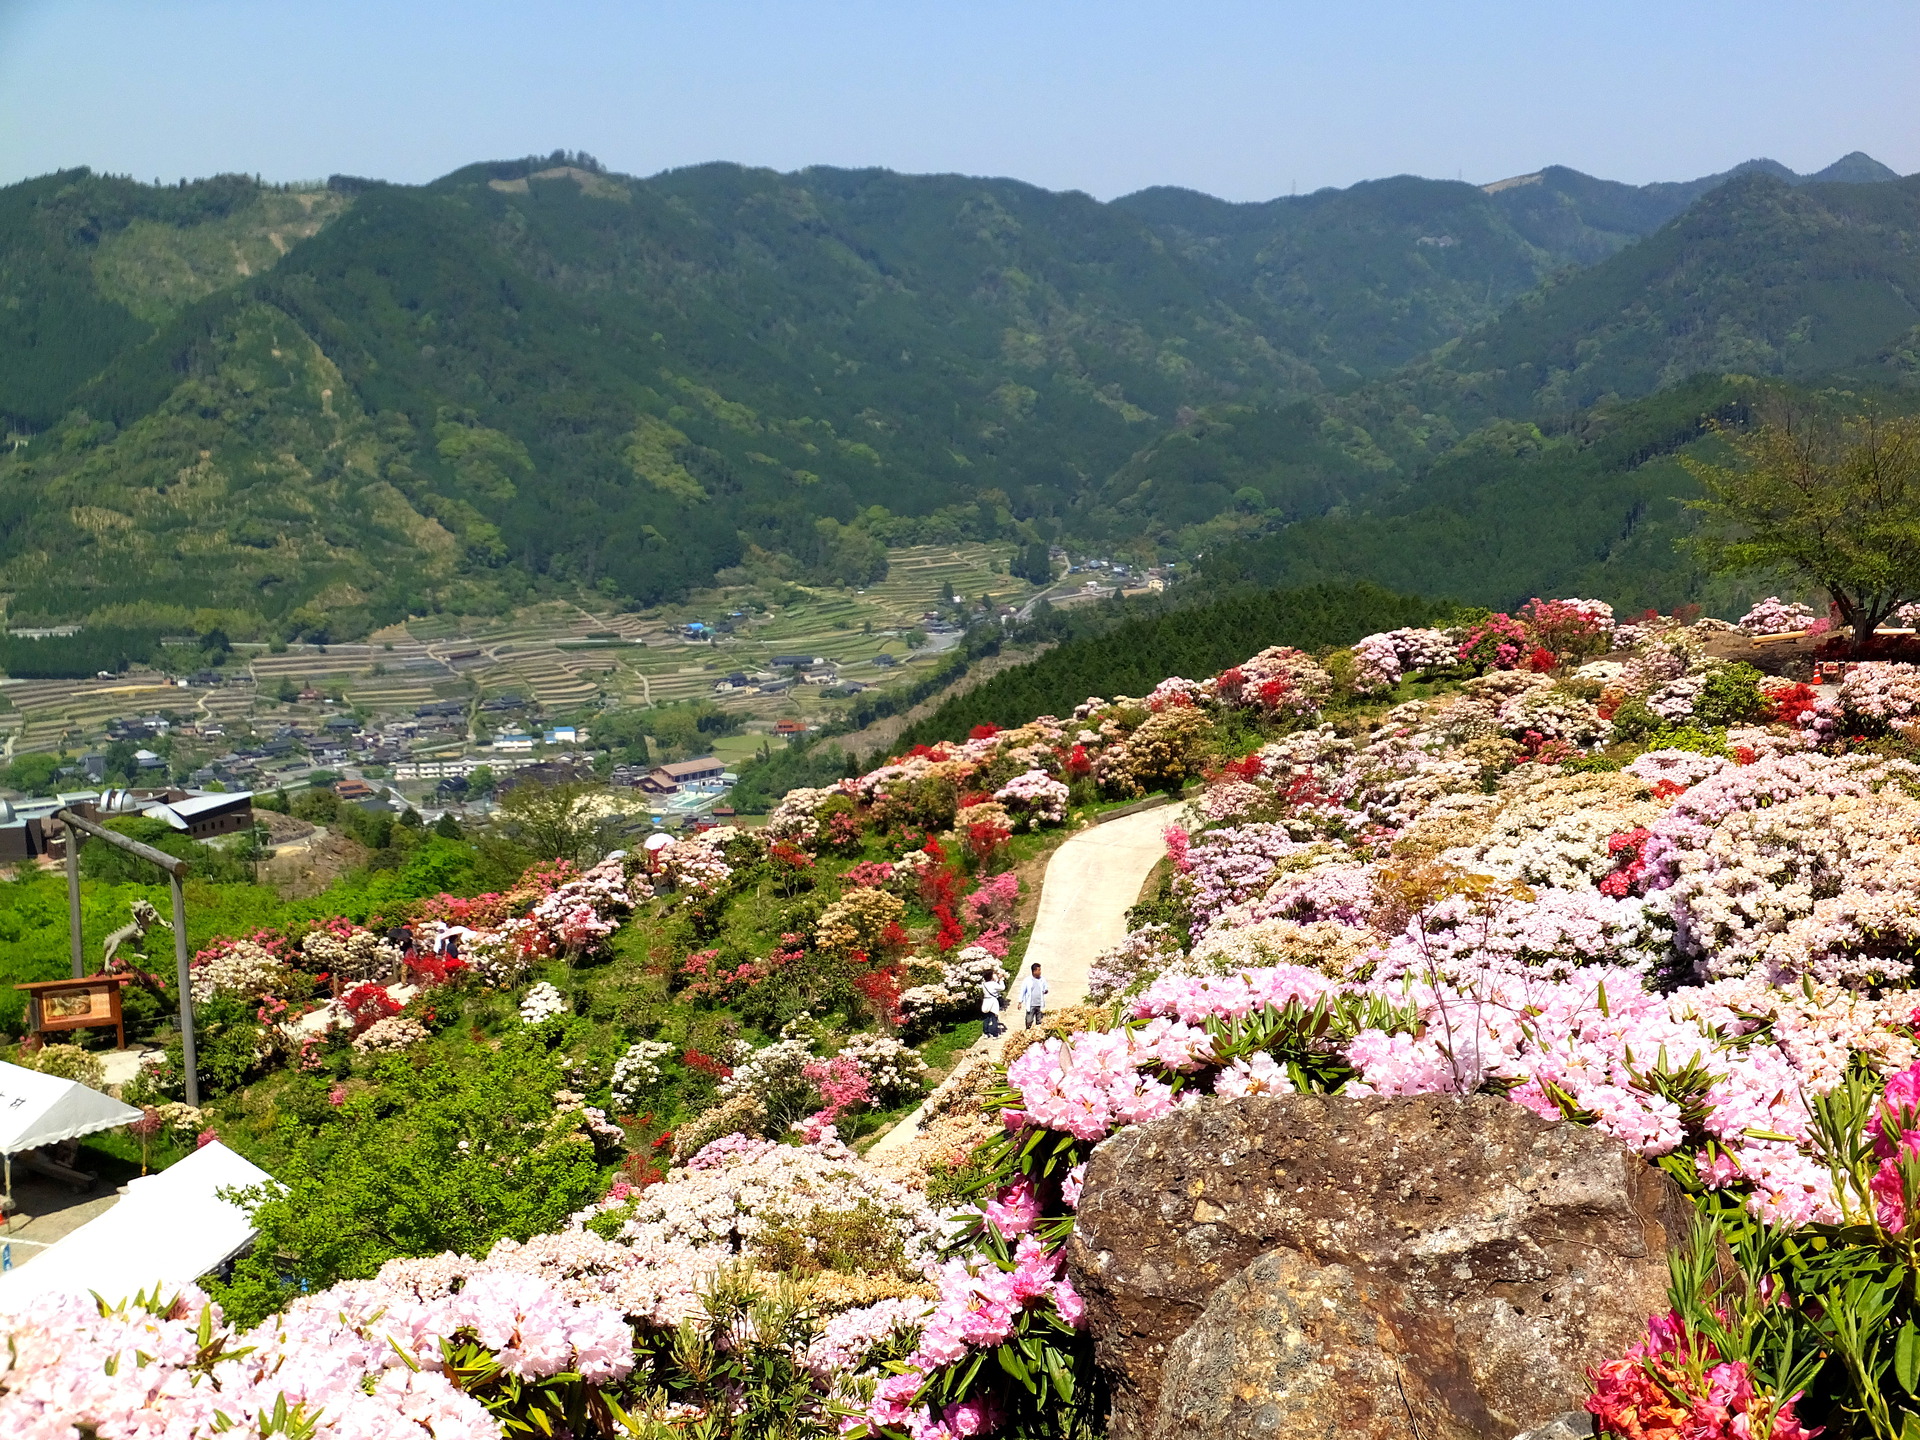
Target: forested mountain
x,y
1757,277
1360,281
304,410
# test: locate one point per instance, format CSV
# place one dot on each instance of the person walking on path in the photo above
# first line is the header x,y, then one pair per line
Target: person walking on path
x,y
993,994
1033,997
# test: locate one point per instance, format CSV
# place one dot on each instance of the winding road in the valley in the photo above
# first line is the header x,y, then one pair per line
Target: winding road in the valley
x,y
1091,882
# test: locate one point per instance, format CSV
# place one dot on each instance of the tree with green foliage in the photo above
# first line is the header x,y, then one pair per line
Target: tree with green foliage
x,y
451,1155
32,774
538,821
1832,498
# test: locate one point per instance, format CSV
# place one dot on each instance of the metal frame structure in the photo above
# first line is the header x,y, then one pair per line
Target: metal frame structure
x,y
176,872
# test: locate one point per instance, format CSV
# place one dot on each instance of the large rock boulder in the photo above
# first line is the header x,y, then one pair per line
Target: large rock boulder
x,y
1308,1265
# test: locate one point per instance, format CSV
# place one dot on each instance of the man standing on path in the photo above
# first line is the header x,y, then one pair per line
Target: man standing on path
x,y
1033,996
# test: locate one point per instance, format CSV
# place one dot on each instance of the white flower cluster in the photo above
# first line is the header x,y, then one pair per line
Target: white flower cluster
x,y
894,1070
772,1075
238,967
796,817
696,865
1035,798
360,955
638,1071
389,1035
758,1184
1886,694
1555,831
1552,714
955,992
541,1004
1380,661
1674,701
500,957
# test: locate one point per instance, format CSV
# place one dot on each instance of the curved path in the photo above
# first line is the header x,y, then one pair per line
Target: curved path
x,y
1090,884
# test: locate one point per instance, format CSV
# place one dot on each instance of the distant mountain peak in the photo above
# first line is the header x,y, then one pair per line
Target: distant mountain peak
x,y
1856,167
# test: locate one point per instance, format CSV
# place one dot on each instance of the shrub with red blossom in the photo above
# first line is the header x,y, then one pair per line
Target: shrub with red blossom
x,y
1498,642
1676,1386
985,840
1568,629
705,1064
367,1004
1629,873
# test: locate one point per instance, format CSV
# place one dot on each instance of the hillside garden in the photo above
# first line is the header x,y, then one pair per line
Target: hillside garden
x,y
596,1177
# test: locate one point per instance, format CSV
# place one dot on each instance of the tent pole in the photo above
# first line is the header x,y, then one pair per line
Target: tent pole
x,y
73,902
186,989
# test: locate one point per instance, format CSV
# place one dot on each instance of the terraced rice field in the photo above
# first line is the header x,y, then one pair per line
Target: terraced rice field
x,y
55,713
543,652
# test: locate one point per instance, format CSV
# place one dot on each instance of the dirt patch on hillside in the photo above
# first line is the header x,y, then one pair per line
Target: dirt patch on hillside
x,y
283,829
304,868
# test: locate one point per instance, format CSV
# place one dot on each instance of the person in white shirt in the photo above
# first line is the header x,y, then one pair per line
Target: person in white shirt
x,y
993,994
1033,997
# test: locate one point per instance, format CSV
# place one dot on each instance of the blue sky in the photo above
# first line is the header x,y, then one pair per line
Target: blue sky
x,y
1243,100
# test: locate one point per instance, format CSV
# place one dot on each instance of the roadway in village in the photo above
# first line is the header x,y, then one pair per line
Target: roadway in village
x,y
1091,882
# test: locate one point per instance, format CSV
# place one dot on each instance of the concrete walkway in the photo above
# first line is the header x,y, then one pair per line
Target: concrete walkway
x,y
1091,882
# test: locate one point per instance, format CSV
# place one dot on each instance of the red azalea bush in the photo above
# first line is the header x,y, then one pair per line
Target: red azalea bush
x,y
1567,629
1498,642
367,1003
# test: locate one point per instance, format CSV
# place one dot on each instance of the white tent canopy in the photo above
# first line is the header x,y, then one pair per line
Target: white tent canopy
x,y
167,1231
38,1110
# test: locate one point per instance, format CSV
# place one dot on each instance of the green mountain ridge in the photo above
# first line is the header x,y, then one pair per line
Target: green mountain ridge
x,y
310,411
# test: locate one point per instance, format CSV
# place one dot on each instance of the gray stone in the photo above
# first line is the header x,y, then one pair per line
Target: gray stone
x,y
1318,1266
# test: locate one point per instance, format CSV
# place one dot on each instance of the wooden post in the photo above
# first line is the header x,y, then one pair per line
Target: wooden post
x,y
186,989
76,943
176,869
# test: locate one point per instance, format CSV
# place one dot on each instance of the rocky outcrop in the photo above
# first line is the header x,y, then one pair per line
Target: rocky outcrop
x,y
1304,1265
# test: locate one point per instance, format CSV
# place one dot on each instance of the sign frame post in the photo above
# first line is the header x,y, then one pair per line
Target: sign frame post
x,y
176,872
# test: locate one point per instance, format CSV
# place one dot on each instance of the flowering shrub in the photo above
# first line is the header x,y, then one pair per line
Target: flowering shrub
x,y
1499,642
1552,714
857,921
1569,630
349,952
1877,696
1382,660
389,1035
891,1069
637,1071
744,1191
244,968
370,1358
954,992
1279,680
1035,797
541,1004
1774,616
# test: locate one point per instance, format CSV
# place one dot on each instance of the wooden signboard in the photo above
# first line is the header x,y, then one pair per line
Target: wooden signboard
x,y
86,1003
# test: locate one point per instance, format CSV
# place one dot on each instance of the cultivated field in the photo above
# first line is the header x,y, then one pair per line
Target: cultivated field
x,y
568,657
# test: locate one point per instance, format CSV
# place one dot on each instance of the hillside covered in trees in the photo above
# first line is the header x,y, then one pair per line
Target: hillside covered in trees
x,y
303,411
